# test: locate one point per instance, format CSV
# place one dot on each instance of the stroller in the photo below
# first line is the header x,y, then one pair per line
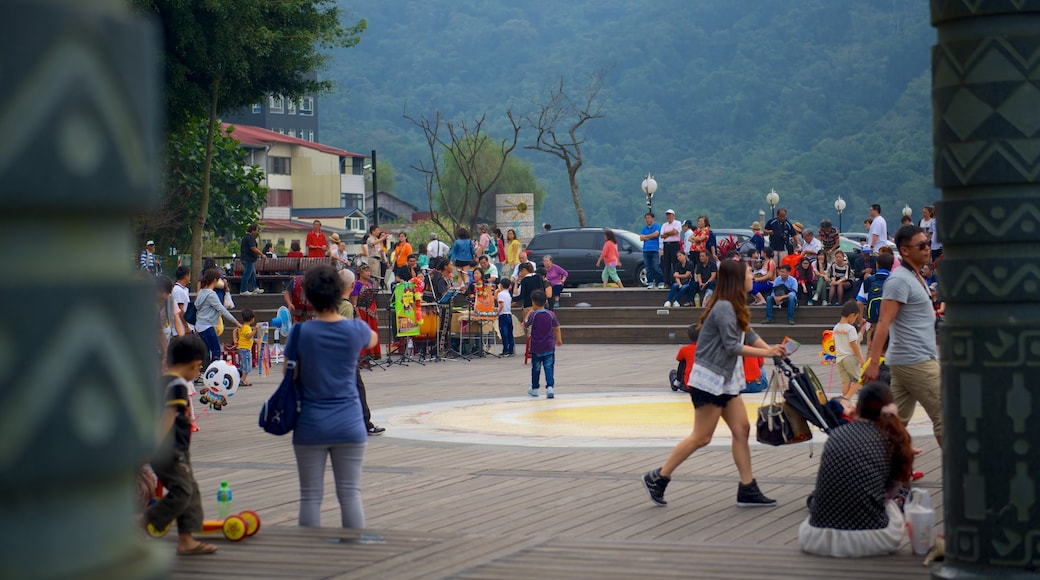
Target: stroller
x,y
805,395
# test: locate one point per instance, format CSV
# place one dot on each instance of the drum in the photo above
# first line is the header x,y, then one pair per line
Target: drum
x,y
431,320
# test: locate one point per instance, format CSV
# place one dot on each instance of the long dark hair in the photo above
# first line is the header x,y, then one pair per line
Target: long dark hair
x,y
872,398
730,287
609,234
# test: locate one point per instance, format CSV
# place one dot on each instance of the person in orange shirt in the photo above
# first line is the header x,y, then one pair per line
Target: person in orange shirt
x,y
402,250
609,258
317,245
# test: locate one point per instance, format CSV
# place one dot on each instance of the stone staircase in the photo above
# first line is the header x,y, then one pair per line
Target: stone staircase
x,y
622,316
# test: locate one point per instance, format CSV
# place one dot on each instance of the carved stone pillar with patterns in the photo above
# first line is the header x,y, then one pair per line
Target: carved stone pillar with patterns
x,y
80,153
986,96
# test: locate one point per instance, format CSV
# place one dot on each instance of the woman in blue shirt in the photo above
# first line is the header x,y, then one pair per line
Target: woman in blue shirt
x,y
331,422
462,254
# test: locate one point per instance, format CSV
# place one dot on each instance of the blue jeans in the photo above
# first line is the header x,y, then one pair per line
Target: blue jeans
x,y
209,336
248,277
652,262
547,360
792,302
505,328
678,292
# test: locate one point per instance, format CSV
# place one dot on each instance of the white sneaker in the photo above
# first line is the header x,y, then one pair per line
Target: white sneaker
x,y
660,286
245,293
258,291
549,393
667,304
649,286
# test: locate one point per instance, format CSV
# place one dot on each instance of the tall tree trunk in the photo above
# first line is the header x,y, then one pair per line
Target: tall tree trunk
x,y
207,165
573,176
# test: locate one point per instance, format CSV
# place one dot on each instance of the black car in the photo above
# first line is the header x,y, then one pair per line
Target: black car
x,y
577,249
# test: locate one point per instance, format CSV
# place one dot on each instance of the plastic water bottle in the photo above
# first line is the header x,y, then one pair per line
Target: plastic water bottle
x,y
224,500
697,300
410,349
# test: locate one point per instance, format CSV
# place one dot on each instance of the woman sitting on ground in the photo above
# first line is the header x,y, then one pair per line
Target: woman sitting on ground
x,y
853,513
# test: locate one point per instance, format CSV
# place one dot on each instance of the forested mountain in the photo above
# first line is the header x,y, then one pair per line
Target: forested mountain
x,y
721,100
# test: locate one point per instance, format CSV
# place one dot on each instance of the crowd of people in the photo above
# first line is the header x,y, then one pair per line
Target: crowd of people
x,y
854,510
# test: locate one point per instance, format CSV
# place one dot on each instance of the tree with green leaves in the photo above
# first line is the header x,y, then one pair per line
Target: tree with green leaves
x,y
465,167
559,124
221,56
237,185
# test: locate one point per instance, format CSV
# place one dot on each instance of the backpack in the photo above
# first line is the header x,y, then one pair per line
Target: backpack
x,y
191,314
279,414
492,249
875,287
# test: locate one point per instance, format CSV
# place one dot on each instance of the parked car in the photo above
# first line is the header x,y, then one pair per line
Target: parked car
x,y
862,238
740,238
577,249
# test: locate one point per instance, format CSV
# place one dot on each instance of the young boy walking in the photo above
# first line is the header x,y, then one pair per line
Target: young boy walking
x,y
544,330
172,461
505,316
243,337
846,348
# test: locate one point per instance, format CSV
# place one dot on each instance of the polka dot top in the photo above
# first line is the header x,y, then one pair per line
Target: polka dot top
x,y
851,485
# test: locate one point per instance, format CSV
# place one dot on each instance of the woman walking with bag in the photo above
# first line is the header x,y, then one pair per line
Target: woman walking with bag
x,y
208,310
331,422
716,381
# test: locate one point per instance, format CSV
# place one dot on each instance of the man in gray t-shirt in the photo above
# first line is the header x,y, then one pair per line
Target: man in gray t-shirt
x,y
907,323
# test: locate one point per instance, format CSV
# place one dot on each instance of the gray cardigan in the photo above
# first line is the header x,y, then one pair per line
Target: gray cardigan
x,y
718,344
209,309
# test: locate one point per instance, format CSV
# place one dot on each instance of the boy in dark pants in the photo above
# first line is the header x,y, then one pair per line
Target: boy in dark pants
x,y
505,316
544,330
172,461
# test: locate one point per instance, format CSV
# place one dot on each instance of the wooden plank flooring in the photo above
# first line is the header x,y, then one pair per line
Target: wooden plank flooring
x,y
439,510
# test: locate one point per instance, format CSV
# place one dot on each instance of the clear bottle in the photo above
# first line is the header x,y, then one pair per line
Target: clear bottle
x,y
224,500
697,300
410,349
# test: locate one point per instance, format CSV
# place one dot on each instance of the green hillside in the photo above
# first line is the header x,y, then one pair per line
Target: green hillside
x,y
720,100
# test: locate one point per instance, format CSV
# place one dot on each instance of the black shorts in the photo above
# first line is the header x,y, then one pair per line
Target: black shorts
x,y
701,398
461,263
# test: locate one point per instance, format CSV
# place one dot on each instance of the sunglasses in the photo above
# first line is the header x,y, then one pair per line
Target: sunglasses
x,y
921,246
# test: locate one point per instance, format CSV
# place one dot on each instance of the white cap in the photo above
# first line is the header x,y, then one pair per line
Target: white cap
x,y
150,243
671,211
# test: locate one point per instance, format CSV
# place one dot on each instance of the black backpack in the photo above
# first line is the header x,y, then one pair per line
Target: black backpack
x,y
875,288
190,313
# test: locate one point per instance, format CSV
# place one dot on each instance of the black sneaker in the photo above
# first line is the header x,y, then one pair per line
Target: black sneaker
x,y
373,430
655,483
750,496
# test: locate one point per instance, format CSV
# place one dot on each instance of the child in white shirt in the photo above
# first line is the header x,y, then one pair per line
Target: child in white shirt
x,y
846,348
505,316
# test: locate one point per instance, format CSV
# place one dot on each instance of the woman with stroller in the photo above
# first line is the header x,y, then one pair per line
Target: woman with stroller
x,y
716,381
853,512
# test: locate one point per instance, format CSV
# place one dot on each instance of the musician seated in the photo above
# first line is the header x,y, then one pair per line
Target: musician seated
x,y
489,270
409,270
440,278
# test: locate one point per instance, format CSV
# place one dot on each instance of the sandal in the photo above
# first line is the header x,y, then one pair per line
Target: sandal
x,y
200,548
246,385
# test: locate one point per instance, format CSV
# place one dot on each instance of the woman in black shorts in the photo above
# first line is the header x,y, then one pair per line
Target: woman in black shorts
x,y
716,381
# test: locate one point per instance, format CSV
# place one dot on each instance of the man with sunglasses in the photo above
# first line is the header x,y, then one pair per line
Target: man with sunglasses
x,y
907,325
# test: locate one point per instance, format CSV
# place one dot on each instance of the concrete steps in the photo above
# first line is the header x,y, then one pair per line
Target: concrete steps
x,y
620,316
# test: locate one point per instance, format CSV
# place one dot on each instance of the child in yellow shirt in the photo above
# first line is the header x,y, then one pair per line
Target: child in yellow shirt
x,y
243,337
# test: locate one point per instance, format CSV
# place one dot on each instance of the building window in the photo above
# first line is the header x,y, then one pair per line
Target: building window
x,y
307,106
357,224
291,132
307,134
351,200
258,108
290,106
281,165
275,104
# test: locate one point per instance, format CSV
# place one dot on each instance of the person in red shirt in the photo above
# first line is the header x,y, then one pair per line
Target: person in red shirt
x,y
609,258
679,378
317,245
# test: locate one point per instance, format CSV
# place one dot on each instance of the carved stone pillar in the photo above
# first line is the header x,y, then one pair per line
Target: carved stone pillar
x,y
80,151
986,96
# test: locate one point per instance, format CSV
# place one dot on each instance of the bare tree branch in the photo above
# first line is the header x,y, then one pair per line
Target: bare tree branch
x,y
561,112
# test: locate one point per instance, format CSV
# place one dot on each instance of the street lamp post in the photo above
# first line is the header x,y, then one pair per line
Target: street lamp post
x,y
649,187
839,204
772,198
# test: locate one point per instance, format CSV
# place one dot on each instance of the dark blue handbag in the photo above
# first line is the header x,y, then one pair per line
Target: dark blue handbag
x,y
279,414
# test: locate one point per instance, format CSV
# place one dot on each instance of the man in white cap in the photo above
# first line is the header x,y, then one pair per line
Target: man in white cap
x,y
436,248
147,259
671,238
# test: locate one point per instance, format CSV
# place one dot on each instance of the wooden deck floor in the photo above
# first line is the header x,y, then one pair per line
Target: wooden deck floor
x,y
438,510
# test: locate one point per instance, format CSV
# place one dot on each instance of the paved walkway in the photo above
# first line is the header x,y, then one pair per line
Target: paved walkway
x,y
475,479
